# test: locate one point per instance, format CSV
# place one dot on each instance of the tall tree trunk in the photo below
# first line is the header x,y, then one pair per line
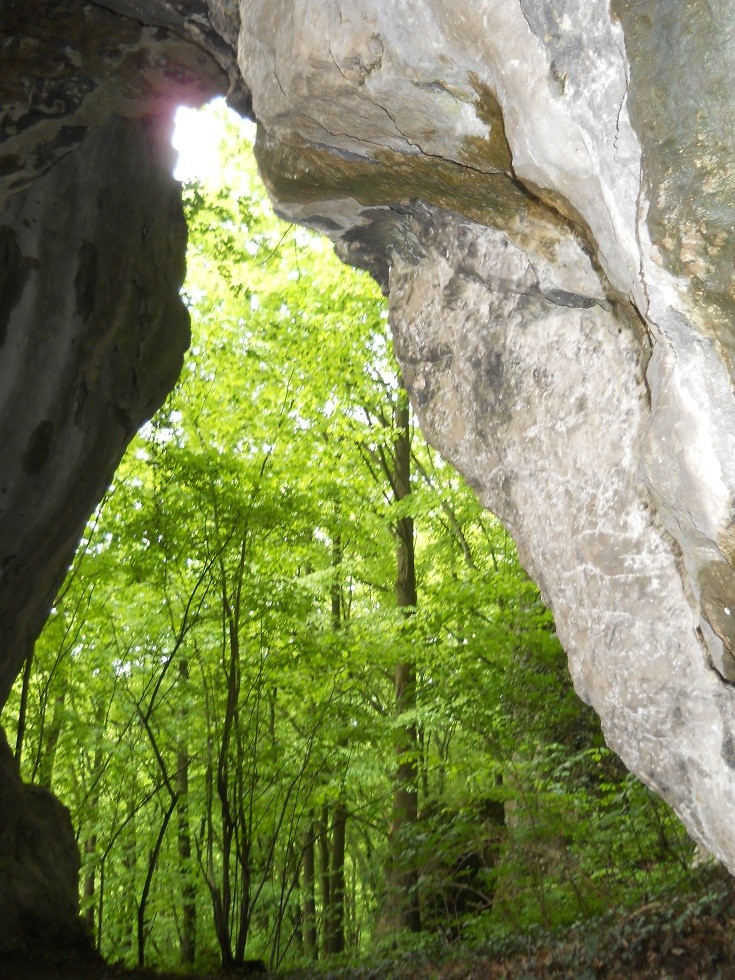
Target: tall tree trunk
x,y
23,706
188,887
309,902
130,861
335,918
332,850
324,880
403,874
90,846
152,866
51,742
225,921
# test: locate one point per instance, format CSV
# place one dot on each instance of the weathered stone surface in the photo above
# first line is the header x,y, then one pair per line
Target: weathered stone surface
x,y
39,865
545,191
67,67
576,372
93,333
544,408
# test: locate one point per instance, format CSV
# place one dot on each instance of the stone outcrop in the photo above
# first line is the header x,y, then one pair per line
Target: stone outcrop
x,y
67,67
555,247
544,190
93,334
39,864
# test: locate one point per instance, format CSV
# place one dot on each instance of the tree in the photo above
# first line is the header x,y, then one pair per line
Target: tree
x,y
403,870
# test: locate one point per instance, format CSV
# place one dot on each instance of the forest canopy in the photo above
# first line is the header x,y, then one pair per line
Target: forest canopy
x,y
299,695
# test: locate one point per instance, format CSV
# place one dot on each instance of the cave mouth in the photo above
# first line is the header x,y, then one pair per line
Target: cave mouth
x,y
554,233
267,573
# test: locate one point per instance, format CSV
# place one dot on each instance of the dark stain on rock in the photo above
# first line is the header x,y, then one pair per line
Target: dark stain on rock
x,y
560,297
39,447
499,381
728,751
80,400
717,586
14,271
493,370
122,416
9,164
455,292
440,356
66,139
494,149
85,281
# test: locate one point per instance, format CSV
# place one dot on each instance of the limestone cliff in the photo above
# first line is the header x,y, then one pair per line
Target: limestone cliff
x,y
556,246
544,189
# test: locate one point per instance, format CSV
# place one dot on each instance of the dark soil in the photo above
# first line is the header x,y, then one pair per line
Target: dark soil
x,y
691,939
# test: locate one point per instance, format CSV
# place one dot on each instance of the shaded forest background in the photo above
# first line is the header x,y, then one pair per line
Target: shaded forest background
x,y
300,697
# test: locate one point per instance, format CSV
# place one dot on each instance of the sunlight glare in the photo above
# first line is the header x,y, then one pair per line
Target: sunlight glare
x,y
198,136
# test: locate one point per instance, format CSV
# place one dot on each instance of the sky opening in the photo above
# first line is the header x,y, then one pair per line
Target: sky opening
x,y
198,138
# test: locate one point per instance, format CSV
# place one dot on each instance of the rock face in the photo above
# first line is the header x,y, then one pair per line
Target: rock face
x,y
557,253
39,864
544,189
92,336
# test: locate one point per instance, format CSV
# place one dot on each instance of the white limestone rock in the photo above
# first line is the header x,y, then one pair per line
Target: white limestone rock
x,y
601,431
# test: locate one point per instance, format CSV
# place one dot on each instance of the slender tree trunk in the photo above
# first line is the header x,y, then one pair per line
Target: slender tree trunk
x,y
188,887
351,921
309,902
23,706
403,874
324,879
130,860
101,907
332,849
335,938
90,846
245,910
224,923
51,742
152,865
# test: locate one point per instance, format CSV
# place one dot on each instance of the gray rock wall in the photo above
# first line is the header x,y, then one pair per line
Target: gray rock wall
x,y
92,335
66,68
39,864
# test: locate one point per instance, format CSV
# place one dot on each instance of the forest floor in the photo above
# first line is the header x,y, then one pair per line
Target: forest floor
x,y
691,938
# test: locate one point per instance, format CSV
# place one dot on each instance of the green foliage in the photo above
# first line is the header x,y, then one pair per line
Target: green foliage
x,y
215,684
